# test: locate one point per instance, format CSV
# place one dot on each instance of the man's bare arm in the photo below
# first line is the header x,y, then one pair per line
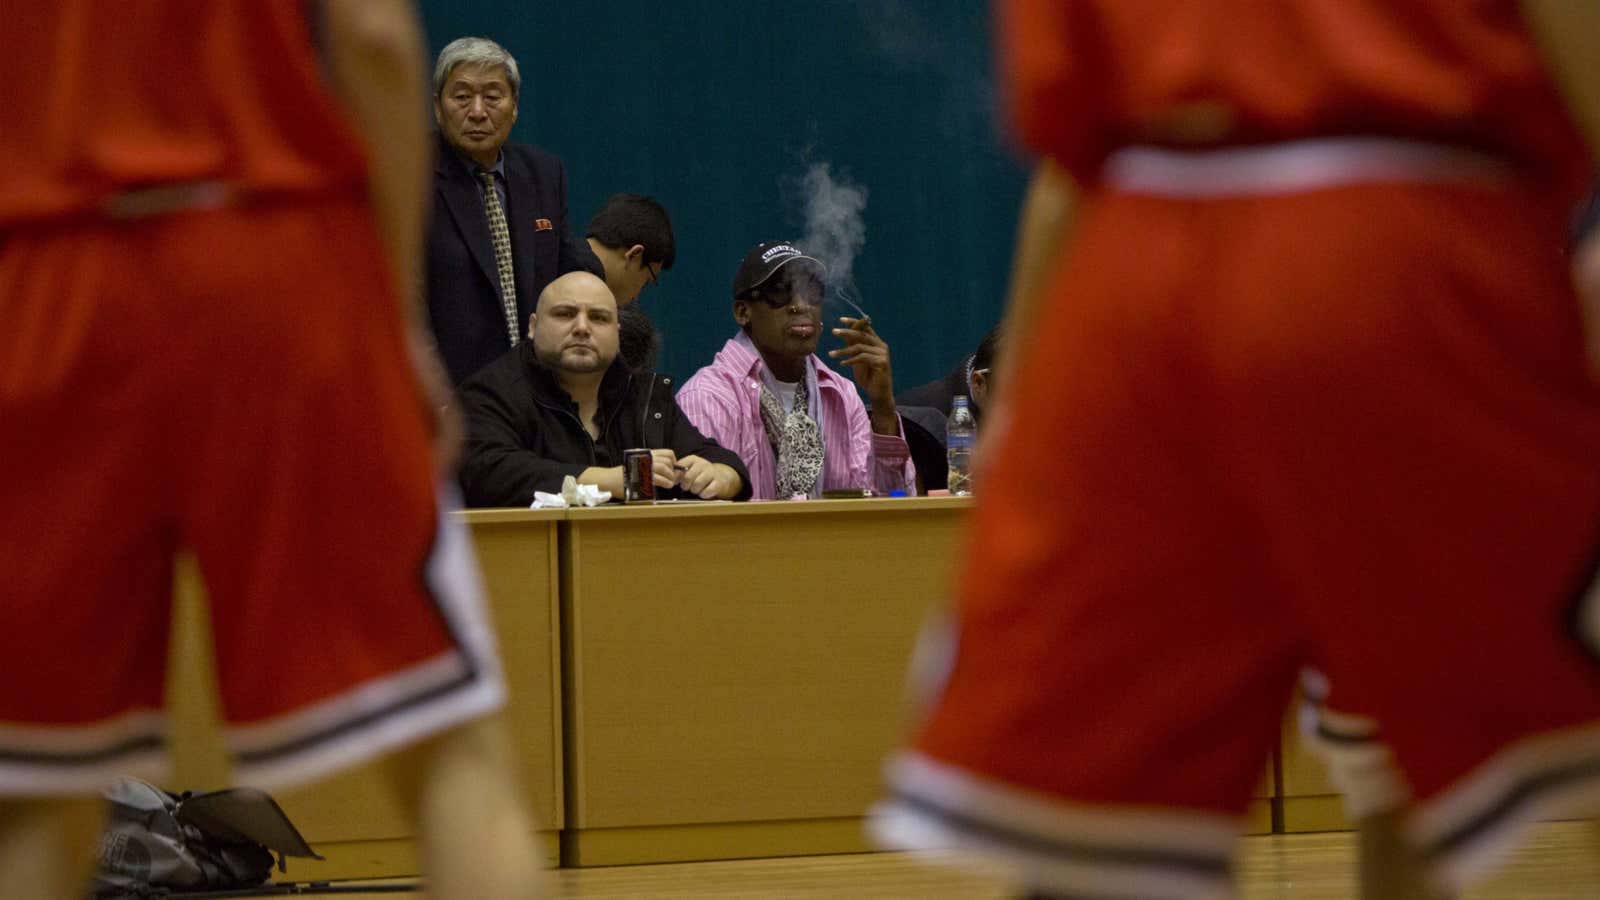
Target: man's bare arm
x,y
375,57
1048,211
1568,34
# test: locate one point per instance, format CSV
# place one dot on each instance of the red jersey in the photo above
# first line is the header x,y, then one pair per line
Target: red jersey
x,y
102,97
1087,76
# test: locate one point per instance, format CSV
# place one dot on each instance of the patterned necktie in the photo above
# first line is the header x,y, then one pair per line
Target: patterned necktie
x,y
500,235
798,441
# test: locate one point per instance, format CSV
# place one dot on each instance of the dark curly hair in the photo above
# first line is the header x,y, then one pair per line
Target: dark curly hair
x,y
638,342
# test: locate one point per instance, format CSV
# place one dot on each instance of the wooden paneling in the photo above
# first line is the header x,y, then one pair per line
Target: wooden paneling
x,y
1310,801
741,663
519,556
1303,773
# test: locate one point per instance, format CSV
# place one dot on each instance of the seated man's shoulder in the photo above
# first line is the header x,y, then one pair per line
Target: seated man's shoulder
x,y
508,370
653,385
711,379
931,394
927,418
711,390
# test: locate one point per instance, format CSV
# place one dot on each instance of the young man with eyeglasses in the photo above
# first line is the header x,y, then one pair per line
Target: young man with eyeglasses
x,y
800,427
970,377
925,409
631,235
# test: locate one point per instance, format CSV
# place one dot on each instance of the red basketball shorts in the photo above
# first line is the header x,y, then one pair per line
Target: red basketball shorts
x,y
233,382
1347,427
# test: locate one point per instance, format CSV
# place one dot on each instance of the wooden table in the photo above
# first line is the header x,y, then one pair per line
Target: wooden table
x,y
352,818
735,672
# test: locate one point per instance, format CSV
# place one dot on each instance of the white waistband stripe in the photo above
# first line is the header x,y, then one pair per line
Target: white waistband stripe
x,y
1295,166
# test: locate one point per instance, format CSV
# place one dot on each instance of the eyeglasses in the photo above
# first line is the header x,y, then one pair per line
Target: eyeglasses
x,y
649,272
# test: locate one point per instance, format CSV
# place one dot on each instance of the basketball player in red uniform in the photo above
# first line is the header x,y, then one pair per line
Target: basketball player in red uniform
x,y
1306,386
208,211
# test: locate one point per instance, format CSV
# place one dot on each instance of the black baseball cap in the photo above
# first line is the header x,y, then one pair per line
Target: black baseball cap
x,y
764,261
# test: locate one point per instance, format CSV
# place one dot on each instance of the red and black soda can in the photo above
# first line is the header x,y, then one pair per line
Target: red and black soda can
x,y
638,476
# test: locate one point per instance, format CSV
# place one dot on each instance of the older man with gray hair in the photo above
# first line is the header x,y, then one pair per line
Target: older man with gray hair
x,y
499,233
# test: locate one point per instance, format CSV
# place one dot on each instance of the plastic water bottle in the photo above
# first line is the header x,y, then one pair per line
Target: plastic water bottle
x,y
959,433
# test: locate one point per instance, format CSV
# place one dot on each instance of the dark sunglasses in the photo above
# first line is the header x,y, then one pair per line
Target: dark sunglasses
x,y
786,295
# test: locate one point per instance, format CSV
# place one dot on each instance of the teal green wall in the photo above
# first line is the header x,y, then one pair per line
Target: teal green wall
x,y
711,106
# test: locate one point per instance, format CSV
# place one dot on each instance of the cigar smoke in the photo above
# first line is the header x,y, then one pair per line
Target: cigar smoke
x,y
835,231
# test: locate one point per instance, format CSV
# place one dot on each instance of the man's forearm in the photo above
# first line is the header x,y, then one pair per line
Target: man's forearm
x,y
1048,211
885,418
375,57
1568,34
506,475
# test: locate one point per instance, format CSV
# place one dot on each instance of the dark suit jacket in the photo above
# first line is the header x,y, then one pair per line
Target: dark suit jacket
x,y
941,394
462,287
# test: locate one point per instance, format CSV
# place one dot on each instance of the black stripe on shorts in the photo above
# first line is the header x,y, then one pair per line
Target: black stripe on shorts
x,y
1524,791
1207,865
473,674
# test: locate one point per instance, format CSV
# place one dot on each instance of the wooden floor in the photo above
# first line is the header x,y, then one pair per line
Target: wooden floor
x,y
1560,862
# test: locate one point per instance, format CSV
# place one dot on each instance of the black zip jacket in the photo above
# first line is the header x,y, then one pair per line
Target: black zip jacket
x,y
524,435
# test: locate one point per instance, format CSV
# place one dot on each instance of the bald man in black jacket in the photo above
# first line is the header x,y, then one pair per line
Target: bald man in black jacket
x,y
526,413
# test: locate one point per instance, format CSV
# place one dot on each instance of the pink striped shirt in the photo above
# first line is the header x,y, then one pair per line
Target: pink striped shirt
x,y
723,400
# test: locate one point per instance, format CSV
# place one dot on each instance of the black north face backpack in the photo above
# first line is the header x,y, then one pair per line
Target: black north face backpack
x,y
159,844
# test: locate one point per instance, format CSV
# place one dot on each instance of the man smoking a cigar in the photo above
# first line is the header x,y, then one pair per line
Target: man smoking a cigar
x,y
800,427
561,404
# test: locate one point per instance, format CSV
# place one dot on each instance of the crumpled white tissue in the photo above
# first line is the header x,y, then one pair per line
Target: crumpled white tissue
x,y
572,494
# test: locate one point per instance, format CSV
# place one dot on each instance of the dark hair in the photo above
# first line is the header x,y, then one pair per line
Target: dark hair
x,y
638,342
628,219
987,348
